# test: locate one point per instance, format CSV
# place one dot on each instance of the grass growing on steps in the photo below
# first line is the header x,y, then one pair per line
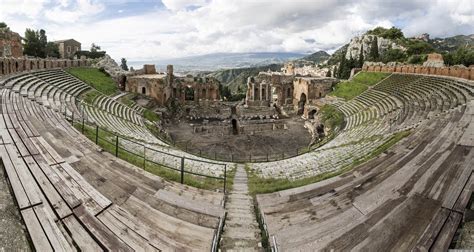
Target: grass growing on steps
x,y
107,142
150,115
95,78
258,185
350,89
332,117
90,96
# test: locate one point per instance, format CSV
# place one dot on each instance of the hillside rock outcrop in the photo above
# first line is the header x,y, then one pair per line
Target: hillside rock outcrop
x,y
365,41
111,67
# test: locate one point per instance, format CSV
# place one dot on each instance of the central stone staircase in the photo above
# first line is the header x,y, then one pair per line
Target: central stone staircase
x,y
241,231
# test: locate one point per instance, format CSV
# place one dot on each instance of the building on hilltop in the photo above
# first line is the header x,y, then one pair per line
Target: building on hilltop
x,y
10,44
68,48
164,87
288,90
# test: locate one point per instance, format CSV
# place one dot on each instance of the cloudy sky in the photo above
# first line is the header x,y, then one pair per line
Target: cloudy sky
x,y
154,29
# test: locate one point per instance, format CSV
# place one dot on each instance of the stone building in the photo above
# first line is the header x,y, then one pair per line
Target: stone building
x,y
166,86
283,90
68,48
10,44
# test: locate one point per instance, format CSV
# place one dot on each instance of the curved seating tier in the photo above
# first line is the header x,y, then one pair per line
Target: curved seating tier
x,y
58,90
411,198
73,196
399,102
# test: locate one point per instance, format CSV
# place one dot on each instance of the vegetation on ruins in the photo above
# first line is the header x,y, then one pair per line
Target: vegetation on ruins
x,y
391,33
150,115
94,53
358,84
123,64
36,44
259,185
462,56
95,78
331,117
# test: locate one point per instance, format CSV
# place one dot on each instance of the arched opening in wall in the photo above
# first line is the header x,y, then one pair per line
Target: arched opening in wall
x,y
320,95
264,95
189,94
320,129
235,129
311,114
301,104
1,68
31,65
16,66
288,93
164,97
203,94
44,64
256,95
144,90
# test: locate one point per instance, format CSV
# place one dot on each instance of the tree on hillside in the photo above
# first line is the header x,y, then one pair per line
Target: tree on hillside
x,y
3,25
392,33
328,74
360,62
374,50
123,65
391,55
95,48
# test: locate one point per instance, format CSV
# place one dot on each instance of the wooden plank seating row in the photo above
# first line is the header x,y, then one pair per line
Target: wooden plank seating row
x,y
413,197
70,213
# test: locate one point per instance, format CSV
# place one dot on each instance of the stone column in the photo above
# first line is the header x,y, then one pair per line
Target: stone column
x,y
252,92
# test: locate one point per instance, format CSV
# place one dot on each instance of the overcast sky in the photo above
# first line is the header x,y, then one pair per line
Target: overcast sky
x,y
154,29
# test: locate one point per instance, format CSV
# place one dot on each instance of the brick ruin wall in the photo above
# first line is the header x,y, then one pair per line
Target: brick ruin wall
x,y
18,65
454,71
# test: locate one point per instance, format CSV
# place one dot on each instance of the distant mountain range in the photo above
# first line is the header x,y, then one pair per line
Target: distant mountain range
x,y
219,61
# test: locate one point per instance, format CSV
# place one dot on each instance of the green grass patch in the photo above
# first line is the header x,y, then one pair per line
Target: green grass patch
x,y
258,185
350,89
150,115
90,96
128,99
95,78
332,117
107,142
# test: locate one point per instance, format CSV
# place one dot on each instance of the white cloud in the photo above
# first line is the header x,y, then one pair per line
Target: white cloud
x,y
64,13
186,27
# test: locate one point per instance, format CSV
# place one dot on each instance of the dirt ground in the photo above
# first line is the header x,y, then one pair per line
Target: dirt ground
x,y
12,232
275,143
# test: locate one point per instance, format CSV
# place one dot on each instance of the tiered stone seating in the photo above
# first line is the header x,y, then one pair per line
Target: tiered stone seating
x,y
412,198
56,97
74,196
106,103
399,102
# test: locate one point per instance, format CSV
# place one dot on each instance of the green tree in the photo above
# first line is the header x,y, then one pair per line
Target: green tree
x,y
374,50
32,44
52,50
43,41
328,74
360,62
95,48
419,47
123,65
3,25
393,55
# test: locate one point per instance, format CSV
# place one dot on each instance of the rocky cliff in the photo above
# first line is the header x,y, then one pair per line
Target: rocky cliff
x,y
110,66
365,41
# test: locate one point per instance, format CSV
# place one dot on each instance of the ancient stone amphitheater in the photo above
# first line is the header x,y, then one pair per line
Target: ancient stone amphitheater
x,y
72,195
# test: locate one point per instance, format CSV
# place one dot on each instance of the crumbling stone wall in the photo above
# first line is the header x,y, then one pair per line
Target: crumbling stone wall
x,y
452,71
18,65
270,87
10,44
163,87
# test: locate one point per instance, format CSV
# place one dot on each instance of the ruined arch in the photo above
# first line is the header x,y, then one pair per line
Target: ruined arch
x,y
288,93
188,94
301,103
144,90
235,127
312,113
